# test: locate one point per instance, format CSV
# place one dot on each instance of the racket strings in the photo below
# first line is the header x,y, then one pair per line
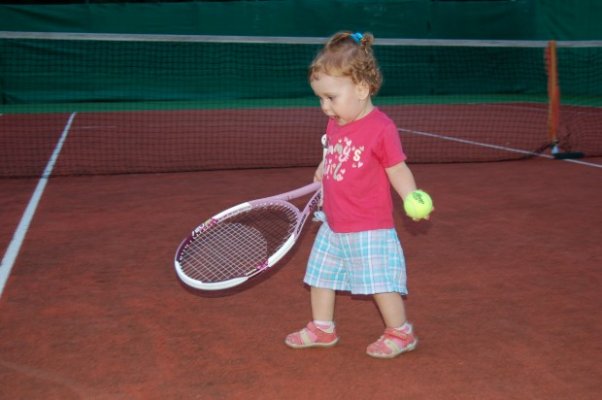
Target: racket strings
x,y
240,245
220,253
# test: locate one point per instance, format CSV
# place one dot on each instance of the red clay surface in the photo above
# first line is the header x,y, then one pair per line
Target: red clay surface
x,y
504,293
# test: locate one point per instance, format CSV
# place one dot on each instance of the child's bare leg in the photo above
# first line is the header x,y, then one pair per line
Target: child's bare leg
x,y
391,308
322,304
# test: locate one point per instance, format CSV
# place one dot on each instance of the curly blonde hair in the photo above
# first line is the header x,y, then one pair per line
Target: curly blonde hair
x,y
348,54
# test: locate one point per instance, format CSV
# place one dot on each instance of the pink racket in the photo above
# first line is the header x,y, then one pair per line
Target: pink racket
x,y
243,241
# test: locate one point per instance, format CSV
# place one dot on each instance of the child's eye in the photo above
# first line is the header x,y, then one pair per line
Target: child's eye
x,y
327,99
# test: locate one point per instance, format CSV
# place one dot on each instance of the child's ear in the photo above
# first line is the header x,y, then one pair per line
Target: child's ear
x,y
363,90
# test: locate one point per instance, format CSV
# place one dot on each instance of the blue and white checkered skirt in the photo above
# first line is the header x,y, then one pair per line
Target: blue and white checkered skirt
x,y
366,262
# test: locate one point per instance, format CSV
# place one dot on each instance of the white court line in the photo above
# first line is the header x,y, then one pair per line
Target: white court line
x,y
17,240
496,147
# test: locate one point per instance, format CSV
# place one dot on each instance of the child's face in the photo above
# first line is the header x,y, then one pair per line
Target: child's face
x,y
340,98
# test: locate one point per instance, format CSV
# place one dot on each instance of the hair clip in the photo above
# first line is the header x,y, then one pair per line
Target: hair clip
x,y
357,37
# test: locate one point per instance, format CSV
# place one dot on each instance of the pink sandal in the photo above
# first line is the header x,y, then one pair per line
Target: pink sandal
x,y
311,336
392,343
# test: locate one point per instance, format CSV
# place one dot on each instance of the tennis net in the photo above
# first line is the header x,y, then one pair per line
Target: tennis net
x,y
110,104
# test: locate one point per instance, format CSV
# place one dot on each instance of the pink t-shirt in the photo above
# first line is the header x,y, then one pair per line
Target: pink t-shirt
x,y
357,192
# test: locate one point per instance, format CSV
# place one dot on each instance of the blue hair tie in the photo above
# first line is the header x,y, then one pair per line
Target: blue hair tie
x,y
357,37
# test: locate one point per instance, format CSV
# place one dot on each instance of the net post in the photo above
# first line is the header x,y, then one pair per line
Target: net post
x,y
553,95
554,104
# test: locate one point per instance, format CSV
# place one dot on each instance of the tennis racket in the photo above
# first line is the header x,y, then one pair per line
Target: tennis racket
x,y
244,240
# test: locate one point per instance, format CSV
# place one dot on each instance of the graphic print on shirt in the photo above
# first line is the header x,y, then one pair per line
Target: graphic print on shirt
x,y
340,156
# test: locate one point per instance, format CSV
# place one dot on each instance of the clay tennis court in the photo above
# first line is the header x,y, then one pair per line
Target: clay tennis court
x,y
114,146
504,292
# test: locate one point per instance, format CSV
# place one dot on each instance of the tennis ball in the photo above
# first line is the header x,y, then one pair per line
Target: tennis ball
x,y
418,204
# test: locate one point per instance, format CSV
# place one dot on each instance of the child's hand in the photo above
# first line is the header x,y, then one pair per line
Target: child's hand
x,y
428,217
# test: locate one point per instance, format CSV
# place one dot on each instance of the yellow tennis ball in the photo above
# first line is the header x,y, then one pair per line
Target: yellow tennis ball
x,y
418,204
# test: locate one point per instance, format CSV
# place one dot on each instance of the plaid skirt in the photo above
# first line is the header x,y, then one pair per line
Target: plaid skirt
x,y
365,262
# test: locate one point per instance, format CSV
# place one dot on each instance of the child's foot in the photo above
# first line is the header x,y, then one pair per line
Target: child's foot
x,y
311,336
392,343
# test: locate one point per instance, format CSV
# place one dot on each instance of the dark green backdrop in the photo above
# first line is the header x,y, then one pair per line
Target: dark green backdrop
x,y
484,19
61,72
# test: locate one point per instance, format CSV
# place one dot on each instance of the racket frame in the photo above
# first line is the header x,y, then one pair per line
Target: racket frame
x,y
281,199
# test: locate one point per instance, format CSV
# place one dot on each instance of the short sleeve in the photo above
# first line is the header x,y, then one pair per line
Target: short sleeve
x,y
389,150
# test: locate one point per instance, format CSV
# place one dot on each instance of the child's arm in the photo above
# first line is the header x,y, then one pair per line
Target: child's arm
x,y
401,179
319,172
